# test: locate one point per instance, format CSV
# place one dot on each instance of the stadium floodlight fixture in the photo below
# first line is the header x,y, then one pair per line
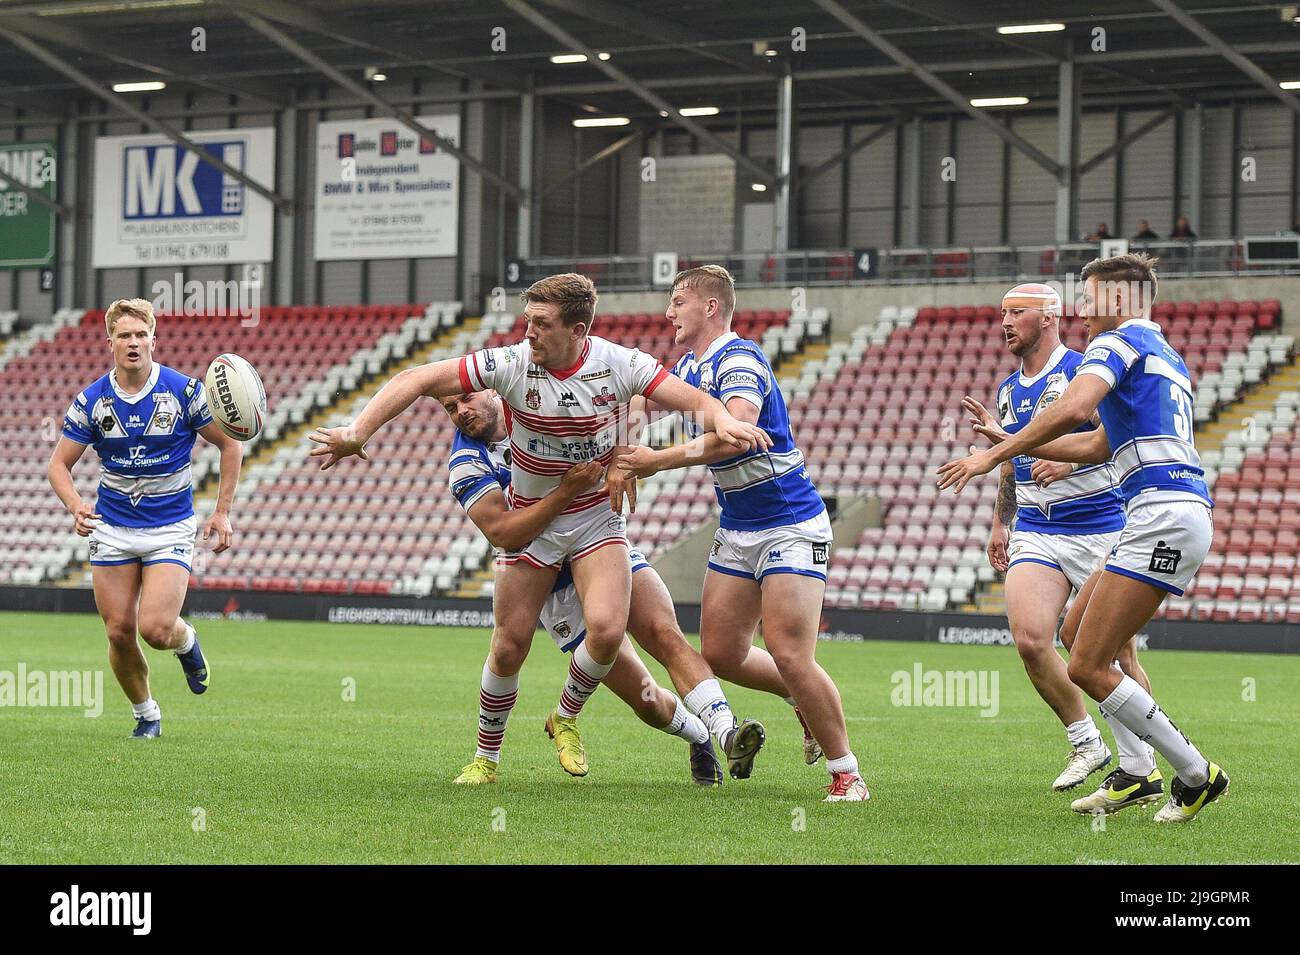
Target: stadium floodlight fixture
x,y
375,74
1000,101
115,6
700,111
601,121
1290,84
146,87
1014,28
563,58
759,186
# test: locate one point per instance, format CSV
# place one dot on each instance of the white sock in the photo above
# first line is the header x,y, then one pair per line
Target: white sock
x,y
847,763
708,702
687,725
1136,709
148,710
1135,757
496,698
188,643
583,680
1083,732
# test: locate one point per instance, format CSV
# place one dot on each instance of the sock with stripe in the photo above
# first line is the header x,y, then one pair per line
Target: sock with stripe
x,y
1134,707
148,710
686,725
583,680
496,698
1082,732
708,702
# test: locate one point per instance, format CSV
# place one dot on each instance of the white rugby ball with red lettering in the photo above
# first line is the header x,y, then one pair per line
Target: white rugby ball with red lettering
x,y
236,397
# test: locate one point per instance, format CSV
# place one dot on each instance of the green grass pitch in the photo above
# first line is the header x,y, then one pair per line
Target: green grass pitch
x,y
274,765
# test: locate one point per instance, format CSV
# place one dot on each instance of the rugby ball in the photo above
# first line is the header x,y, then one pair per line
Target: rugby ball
x,y
236,397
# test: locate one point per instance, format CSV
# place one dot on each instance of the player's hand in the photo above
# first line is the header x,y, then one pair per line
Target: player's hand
x,y
982,420
956,474
85,519
1046,473
997,549
337,443
580,478
220,523
621,485
740,434
640,462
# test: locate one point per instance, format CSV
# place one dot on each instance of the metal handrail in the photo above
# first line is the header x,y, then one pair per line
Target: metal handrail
x,y
1200,258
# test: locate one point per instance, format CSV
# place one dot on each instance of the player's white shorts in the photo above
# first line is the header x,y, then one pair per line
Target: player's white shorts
x,y
562,613
570,537
1074,555
168,544
803,548
1163,543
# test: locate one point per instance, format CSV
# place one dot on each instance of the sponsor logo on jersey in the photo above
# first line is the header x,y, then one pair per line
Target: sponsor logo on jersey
x,y
535,372
567,400
534,400
94,548
1025,406
134,421
489,363
1097,354
595,375
563,630
820,552
615,523
717,546
1164,559
774,555
606,397
106,423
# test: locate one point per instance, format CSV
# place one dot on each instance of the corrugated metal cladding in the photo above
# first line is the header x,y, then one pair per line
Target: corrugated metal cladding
x,y
859,202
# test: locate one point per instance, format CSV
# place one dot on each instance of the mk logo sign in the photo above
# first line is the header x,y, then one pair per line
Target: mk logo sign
x,y
166,182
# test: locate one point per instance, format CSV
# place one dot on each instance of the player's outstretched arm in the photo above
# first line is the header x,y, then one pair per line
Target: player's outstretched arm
x,y
642,462
1085,447
676,395
515,529
232,460
438,379
1072,409
66,454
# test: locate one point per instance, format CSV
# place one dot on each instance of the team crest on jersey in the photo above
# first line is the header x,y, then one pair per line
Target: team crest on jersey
x,y
164,417
706,378
1055,387
563,630
533,398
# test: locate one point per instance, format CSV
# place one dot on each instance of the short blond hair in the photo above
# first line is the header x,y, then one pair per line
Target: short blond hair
x,y
711,281
130,308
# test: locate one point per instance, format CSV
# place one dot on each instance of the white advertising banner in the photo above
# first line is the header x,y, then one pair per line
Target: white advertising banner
x,y
159,204
382,192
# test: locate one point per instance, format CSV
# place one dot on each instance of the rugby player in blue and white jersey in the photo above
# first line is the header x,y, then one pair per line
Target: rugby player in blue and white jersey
x,y
1066,518
479,476
1143,391
142,419
772,550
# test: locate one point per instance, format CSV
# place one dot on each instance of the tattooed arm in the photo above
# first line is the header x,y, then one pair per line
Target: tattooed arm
x,y
1004,512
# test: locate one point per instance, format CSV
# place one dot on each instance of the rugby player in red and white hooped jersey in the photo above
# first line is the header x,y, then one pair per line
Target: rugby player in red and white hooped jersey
x,y
566,394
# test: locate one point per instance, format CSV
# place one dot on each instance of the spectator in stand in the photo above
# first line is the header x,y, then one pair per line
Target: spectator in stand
x,y
1102,232
1144,231
1182,229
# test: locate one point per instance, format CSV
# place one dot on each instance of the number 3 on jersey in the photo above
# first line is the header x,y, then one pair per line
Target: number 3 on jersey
x,y
1182,412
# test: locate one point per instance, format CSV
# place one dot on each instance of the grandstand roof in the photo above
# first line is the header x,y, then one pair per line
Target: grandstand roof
x,y
690,53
